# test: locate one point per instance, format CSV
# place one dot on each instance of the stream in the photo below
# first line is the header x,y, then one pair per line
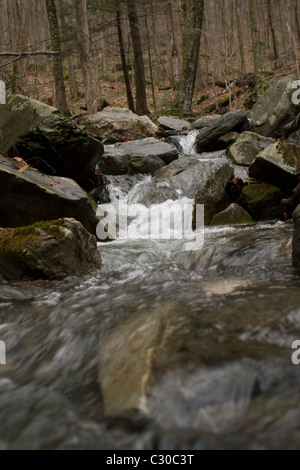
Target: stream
x,y
225,379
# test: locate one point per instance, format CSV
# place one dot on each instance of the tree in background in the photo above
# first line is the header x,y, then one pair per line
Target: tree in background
x,y
192,16
88,60
141,105
60,94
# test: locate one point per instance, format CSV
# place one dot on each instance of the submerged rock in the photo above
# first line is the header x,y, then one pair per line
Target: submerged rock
x,y
119,123
275,108
30,196
142,156
247,147
296,239
47,250
207,137
279,165
261,201
47,140
233,216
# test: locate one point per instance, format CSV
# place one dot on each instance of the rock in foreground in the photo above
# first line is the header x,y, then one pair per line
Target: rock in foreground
x,y
47,250
233,216
30,196
261,201
41,135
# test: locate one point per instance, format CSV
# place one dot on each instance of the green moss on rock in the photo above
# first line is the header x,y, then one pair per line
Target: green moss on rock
x,y
233,216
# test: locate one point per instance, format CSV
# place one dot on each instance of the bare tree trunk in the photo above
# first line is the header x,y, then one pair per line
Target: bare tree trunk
x,y
193,13
275,48
174,48
240,36
255,39
150,64
60,94
140,81
124,63
88,62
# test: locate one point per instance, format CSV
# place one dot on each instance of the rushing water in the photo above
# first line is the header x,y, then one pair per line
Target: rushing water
x,y
234,315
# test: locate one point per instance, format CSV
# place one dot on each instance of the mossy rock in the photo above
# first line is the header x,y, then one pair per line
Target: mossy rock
x,y
261,201
279,165
47,250
233,216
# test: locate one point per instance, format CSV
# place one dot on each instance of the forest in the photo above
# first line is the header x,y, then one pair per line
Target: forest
x,y
187,55
149,227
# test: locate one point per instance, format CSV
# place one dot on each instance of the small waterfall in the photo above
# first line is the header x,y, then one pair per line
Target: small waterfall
x,y
186,144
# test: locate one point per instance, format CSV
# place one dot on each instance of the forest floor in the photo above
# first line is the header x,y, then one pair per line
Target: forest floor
x,y
239,94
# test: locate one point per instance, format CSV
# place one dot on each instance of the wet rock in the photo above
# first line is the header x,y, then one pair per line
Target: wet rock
x,y
279,165
173,124
30,196
144,156
207,138
119,123
176,167
213,173
204,121
261,201
153,192
47,250
275,108
213,179
246,148
46,139
296,239
233,216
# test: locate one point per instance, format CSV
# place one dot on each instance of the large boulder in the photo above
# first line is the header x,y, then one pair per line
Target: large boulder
x,y
30,196
296,239
119,123
173,124
246,148
279,165
233,216
261,201
207,137
45,138
141,156
189,175
275,108
47,250
215,177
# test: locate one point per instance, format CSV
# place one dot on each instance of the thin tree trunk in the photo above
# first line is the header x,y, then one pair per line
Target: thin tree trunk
x,y
275,48
124,63
193,13
140,81
255,39
60,94
174,48
150,64
240,36
88,62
